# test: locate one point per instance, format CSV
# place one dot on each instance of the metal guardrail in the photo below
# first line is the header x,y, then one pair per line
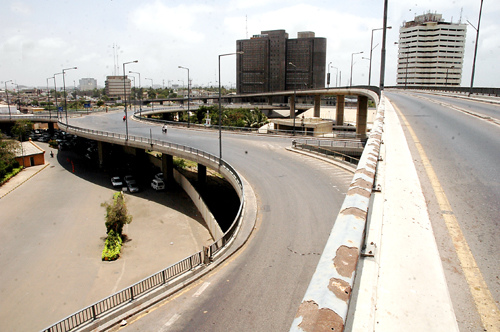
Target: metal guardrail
x,y
308,145
126,295
161,278
326,302
458,89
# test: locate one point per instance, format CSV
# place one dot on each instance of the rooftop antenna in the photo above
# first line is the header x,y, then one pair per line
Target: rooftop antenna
x,y
246,26
461,12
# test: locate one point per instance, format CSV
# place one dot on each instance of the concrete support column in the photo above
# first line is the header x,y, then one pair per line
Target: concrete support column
x,y
51,128
317,106
167,167
340,110
100,153
202,174
361,117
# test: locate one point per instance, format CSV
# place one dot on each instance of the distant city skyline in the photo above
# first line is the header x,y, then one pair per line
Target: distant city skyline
x,y
39,39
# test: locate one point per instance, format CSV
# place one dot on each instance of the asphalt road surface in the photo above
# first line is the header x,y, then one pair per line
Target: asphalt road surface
x,y
261,287
464,152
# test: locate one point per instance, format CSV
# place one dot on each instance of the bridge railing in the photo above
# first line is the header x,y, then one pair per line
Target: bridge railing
x,y
166,276
327,148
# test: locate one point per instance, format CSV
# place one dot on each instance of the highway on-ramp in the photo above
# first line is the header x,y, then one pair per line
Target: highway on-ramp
x,y
259,288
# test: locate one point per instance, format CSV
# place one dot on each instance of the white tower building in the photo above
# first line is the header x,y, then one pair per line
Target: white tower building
x,y
431,51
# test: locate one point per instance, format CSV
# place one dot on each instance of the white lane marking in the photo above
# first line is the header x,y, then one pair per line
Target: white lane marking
x,y
202,289
171,321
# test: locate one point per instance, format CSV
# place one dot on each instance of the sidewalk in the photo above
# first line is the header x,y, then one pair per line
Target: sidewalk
x,y
20,178
403,287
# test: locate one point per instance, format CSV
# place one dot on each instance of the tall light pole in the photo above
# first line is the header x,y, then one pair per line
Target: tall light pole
x,y
336,76
352,57
7,93
475,48
125,96
371,49
48,94
327,76
140,89
64,89
220,109
382,54
189,91
55,93
152,104
447,69
295,98
135,91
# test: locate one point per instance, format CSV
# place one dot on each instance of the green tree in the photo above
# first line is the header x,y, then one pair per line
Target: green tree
x,y
116,215
6,155
21,128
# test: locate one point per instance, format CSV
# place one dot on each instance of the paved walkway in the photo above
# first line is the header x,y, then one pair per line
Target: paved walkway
x,y
402,288
52,238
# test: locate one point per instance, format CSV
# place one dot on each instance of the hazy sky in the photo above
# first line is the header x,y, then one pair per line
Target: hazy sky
x,y
41,37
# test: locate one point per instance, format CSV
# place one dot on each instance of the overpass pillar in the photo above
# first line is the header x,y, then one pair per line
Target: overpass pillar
x,y
361,117
317,106
340,111
202,174
51,128
100,153
167,166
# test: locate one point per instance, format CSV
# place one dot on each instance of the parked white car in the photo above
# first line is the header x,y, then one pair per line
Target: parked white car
x,y
157,184
116,181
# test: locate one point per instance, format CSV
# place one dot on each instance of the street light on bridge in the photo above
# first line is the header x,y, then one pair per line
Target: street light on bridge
x,y
7,93
64,89
371,49
140,89
189,91
125,96
152,103
352,56
220,108
55,93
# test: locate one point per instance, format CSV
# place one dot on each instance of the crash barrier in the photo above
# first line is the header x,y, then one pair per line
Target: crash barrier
x,y
485,91
168,277
326,302
331,149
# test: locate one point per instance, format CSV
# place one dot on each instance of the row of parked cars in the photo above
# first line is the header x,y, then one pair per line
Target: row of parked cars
x,y
130,183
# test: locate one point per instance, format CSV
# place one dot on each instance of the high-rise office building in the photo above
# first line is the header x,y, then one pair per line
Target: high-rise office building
x,y
431,51
88,84
272,62
116,88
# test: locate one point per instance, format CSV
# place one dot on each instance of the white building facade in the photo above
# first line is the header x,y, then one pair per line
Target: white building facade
x,y
116,88
431,51
88,84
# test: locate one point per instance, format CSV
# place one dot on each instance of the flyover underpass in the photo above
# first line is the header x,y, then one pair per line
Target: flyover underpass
x,y
298,198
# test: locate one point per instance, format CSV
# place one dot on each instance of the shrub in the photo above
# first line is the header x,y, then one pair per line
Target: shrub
x,y
112,246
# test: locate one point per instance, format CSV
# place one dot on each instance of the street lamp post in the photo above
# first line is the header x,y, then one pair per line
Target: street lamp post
x,y
125,96
352,56
64,91
328,75
55,93
220,109
135,91
447,69
475,48
189,91
295,100
48,94
140,89
7,93
371,49
152,104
